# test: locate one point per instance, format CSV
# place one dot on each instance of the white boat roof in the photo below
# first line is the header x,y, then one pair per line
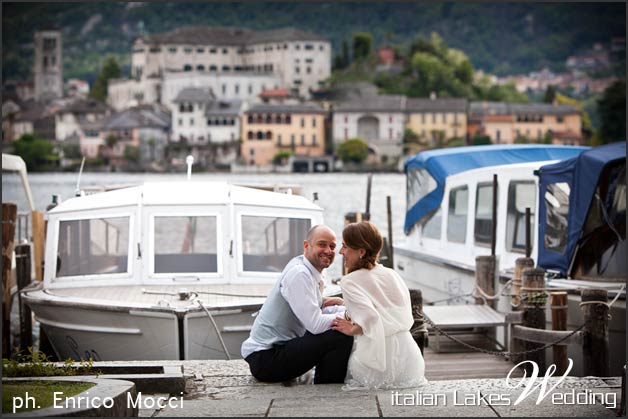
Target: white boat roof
x,y
185,193
505,168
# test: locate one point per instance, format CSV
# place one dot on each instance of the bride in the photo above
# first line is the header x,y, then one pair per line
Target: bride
x,y
379,315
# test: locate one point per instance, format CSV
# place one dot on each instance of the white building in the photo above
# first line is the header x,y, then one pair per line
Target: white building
x,y
123,94
377,119
200,119
301,60
226,86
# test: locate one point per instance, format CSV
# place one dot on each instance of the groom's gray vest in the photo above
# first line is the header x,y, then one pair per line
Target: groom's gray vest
x,y
276,322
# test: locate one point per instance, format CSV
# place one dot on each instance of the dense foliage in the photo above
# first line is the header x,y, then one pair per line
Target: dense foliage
x,y
38,154
354,150
501,38
612,109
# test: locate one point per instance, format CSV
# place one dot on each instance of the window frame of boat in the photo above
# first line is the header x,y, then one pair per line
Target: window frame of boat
x,y
479,185
470,194
95,279
433,240
533,220
169,277
242,275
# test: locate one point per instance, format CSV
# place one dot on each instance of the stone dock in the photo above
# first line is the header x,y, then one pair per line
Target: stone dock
x,y
226,388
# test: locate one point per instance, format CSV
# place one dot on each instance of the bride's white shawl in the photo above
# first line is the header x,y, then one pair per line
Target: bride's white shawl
x,y
379,302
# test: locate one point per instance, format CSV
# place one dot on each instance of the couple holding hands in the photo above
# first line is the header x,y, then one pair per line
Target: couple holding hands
x,y
362,340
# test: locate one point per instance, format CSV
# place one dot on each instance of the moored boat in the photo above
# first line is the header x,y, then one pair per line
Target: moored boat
x,y
449,218
168,270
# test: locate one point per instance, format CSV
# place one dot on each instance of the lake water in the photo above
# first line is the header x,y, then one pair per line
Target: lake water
x,y
338,193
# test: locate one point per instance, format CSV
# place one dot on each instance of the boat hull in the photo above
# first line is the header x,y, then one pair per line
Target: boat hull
x,y
83,331
441,281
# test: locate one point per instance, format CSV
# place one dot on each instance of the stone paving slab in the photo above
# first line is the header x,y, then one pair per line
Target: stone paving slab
x,y
209,408
342,405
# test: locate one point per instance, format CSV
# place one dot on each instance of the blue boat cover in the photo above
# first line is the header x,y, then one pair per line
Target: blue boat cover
x,y
445,162
582,173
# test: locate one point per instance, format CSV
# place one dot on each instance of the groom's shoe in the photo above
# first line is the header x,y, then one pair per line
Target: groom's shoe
x,y
290,383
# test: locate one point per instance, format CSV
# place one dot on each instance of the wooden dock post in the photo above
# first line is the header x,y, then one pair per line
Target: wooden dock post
x,y
390,233
23,274
418,330
521,264
485,277
595,348
9,214
558,303
534,295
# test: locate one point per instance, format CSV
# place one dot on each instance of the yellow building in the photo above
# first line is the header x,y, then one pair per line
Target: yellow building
x,y
433,118
268,129
506,123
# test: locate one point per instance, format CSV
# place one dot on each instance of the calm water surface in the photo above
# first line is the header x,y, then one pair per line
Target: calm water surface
x,y
338,193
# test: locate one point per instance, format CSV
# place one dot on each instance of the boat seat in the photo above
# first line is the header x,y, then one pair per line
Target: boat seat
x,y
463,316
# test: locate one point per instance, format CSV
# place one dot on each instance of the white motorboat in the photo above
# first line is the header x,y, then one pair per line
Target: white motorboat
x,y
449,218
164,270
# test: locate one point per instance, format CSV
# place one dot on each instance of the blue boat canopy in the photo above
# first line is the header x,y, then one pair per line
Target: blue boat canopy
x,y
445,162
566,190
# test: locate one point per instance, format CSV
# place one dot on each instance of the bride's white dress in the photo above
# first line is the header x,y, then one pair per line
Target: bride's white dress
x,y
385,355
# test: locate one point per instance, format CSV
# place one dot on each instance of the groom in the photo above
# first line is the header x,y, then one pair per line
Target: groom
x,y
292,332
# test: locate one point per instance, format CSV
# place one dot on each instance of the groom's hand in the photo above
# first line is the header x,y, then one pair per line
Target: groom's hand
x,y
333,301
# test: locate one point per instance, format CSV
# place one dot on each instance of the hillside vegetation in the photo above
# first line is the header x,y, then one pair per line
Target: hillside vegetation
x,y
500,38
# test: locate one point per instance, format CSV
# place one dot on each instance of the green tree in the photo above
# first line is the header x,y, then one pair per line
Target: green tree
x,y
38,154
281,158
550,94
110,70
362,42
132,153
354,150
612,110
479,139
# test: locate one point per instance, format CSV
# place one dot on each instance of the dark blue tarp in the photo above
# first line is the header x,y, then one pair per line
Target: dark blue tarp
x,y
582,173
445,162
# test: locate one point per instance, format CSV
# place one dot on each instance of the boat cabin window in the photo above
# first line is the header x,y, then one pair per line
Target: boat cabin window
x,y
431,229
520,196
93,246
483,213
268,243
185,244
557,210
419,183
457,216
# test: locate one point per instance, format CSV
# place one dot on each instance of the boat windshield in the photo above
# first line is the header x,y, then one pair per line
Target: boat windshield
x,y
419,183
93,246
185,244
557,204
268,243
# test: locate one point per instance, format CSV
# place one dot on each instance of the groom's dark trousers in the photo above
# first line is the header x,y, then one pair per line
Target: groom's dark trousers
x,y
328,352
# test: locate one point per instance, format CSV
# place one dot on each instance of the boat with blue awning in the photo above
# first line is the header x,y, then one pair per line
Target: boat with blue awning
x,y
576,197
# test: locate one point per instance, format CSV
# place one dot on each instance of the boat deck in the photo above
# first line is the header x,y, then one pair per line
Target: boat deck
x,y
212,295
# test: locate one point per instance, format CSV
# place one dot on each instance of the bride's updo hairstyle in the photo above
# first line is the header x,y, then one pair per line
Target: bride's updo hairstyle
x,y
363,235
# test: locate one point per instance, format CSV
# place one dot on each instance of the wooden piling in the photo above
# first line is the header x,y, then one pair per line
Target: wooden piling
x,y
23,275
485,277
390,233
521,264
534,299
558,303
418,330
595,348
9,215
369,181
39,237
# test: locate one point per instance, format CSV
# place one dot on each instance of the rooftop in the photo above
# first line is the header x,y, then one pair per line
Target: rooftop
x,y
502,108
229,36
286,108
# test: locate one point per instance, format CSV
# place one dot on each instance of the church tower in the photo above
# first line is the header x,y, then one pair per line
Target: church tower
x,y
48,64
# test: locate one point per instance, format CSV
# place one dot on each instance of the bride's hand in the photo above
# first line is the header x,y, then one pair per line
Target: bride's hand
x,y
346,327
